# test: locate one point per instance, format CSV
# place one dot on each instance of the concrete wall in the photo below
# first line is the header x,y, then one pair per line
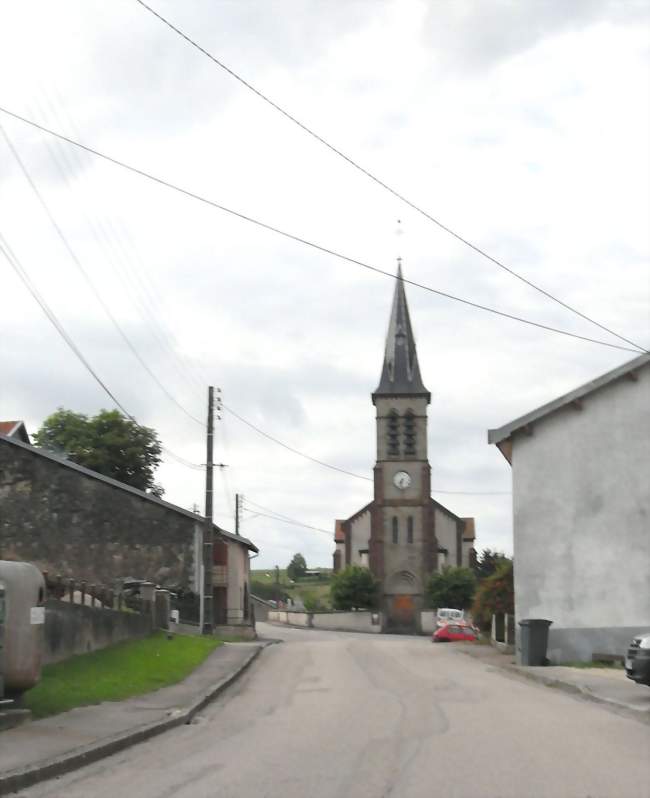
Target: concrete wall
x,y
347,621
333,621
75,629
66,522
261,608
581,502
428,621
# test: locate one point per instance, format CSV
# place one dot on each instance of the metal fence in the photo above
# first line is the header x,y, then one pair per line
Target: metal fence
x,y
90,594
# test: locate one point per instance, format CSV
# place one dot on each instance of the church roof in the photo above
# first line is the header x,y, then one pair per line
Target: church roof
x,y
400,375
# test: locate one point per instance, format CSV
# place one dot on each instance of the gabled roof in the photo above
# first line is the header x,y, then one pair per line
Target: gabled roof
x,y
4,439
573,397
358,513
14,429
400,375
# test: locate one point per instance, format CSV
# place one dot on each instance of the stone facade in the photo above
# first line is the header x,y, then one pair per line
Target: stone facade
x,y
68,520
403,535
64,520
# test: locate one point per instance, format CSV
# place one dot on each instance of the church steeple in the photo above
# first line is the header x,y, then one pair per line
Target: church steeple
x,y
400,374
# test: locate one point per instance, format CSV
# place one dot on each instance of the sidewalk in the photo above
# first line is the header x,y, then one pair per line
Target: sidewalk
x,y
607,686
49,747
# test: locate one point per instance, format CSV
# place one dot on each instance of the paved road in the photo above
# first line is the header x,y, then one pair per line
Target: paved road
x,y
328,715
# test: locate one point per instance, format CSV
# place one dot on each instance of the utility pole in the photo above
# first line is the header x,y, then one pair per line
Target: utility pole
x,y
208,536
239,506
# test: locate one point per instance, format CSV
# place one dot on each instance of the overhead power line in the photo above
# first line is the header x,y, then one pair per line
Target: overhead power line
x,y
315,246
53,319
268,513
291,449
133,349
381,183
90,283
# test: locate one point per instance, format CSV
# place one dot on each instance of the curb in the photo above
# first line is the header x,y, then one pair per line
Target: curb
x,y
640,715
21,778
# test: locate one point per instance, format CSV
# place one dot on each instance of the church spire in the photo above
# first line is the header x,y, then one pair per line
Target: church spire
x,y
400,374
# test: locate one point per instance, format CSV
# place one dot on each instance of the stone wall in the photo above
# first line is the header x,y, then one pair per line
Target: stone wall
x,y
66,521
76,629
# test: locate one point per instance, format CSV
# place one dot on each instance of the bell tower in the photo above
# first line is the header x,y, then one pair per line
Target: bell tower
x,y
402,546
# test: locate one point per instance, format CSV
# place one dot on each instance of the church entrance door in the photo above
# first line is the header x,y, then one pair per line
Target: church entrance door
x,y
401,615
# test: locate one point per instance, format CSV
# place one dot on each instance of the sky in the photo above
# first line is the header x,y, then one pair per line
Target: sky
x,y
521,126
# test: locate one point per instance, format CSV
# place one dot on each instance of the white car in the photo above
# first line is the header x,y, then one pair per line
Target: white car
x,y
447,615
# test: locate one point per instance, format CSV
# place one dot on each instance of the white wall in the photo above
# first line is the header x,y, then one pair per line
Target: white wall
x,y
581,503
359,537
347,621
336,621
238,577
446,536
428,620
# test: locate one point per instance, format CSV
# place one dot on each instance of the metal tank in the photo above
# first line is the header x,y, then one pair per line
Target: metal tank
x,y
22,616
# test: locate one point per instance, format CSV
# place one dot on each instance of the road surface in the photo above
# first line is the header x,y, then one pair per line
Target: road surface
x,y
336,715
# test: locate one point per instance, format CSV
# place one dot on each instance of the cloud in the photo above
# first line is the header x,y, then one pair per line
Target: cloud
x,y
470,36
517,125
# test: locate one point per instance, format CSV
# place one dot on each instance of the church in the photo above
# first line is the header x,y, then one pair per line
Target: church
x,y
402,535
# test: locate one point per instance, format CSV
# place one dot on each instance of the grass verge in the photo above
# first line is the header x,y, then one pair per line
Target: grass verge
x,y
118,672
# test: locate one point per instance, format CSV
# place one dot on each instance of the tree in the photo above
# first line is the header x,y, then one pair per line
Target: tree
x,y
452,587
487,563
495,595
354,588
108,443
296,567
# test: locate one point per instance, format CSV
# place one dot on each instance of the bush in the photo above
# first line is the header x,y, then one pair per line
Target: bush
x,y
452,587
312,602
488,562
496,594
354,588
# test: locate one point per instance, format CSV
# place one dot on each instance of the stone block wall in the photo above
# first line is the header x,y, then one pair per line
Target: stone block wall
x,y
68,522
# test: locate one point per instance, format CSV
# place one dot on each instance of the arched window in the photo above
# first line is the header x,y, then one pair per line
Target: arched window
x,y
395,530
409,529
393,433
409,432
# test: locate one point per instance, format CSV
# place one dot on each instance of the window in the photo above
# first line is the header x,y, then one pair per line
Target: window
x,y
395,530
409,529
409,433
393,434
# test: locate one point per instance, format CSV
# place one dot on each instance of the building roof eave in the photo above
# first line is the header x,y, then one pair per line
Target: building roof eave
x,y
525,422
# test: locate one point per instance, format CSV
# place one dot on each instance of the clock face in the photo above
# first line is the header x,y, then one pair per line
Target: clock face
x,y
402,480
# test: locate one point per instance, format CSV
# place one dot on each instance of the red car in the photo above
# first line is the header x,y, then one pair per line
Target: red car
x,y
452,631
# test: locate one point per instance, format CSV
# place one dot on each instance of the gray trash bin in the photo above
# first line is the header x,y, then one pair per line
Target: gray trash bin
x,y
533,640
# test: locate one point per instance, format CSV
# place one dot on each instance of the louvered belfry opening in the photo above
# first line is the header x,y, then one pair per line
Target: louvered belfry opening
x,y
393,434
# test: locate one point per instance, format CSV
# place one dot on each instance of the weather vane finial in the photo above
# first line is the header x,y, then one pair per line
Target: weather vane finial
x,y
399,232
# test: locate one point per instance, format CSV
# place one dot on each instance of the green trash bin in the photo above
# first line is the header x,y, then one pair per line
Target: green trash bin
x,y
533,640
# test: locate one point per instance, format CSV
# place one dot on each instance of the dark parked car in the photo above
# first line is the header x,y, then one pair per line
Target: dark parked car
x,y
637,659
